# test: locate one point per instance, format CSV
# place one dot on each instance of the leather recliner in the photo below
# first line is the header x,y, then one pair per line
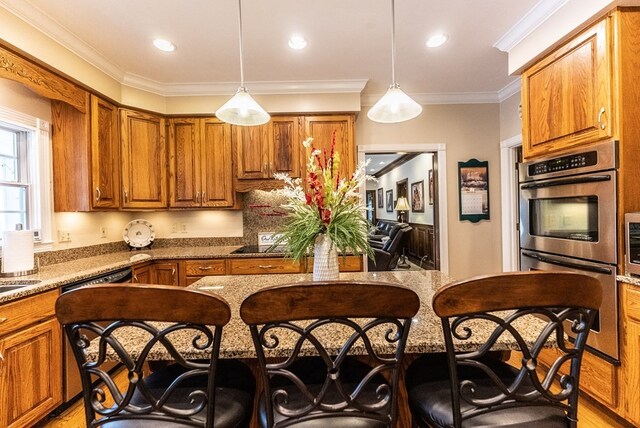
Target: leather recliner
x,y
388,251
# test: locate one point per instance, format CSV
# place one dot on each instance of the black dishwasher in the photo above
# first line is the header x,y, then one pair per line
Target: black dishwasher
x,y
72,386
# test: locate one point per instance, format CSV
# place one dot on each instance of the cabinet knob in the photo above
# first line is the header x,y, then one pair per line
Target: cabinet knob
x,y
602,124
98,194
126,196
204,196
135,278
3,319
173,273
1,357
197,196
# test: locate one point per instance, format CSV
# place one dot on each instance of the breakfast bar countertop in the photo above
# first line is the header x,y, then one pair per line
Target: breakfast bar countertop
x,y
425,335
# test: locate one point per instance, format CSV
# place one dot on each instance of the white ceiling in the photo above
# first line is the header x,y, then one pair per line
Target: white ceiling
x,y
349,42
379,161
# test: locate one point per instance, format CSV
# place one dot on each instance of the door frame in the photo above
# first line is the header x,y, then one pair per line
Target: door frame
x,y
442,230
508,190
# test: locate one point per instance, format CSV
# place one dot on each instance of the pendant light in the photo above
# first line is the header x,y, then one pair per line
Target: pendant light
x,y
395,106
242,109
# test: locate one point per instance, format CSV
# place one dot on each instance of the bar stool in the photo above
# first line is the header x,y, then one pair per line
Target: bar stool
x,y
198,390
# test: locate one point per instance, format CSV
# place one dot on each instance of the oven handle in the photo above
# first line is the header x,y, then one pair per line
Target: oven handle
x,y
573,265
562,182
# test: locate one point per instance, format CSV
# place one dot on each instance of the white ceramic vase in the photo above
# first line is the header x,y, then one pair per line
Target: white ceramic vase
x,y
325,259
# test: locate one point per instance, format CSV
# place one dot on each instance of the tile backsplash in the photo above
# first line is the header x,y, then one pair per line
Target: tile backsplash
x,y
262,213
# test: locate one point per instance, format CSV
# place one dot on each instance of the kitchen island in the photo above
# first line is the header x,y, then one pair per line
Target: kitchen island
x,y
425,335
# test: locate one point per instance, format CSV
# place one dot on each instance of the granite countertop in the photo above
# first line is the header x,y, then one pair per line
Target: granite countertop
x,y
629,279
425,334
56,275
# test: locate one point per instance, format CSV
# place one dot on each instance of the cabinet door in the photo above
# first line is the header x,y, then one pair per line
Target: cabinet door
x,y
321,128
252,151
144,161
30,374
567,97
184,163
631,352
217,171
142,274
105,154
165,273
285,146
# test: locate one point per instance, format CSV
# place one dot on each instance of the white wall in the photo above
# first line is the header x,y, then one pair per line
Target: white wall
x,y
415,170
467,131
510,121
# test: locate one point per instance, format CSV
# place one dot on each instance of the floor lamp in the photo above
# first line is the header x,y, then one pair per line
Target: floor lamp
x,y
402,206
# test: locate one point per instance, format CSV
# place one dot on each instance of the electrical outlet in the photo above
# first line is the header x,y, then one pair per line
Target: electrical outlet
x,y
183,227
64,235
174,228
103,231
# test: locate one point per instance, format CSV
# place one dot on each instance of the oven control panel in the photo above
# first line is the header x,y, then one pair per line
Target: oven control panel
x,y
579,160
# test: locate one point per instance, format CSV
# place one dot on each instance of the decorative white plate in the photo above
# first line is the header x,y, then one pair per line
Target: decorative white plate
x,y
138,233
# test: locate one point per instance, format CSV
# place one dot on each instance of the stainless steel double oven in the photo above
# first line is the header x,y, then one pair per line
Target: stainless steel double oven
x,y
568,222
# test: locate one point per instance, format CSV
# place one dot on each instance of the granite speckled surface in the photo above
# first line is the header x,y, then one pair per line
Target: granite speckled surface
x,y
56,275
425,335
629,279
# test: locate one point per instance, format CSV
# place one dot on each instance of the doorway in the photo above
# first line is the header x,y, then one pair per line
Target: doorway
x,y
420,183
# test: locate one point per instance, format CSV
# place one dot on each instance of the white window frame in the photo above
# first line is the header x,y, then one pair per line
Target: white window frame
x,y
40,172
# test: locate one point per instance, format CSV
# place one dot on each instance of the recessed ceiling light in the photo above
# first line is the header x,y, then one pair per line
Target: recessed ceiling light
x,y
437,40
382,162
297,42
164,45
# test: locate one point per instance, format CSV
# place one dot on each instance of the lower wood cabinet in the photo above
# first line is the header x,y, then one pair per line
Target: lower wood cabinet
x,y
165,273
345,264
30,360
142,273
193,270
631,352
262,265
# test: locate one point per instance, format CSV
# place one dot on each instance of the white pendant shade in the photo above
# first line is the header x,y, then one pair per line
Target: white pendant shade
x,y
394,106
242,110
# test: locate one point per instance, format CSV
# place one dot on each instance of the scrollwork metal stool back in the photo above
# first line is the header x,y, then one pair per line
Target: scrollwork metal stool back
x,y
483,391
311,329
129,323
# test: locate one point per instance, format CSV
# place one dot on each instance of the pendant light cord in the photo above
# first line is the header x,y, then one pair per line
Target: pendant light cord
x,y
240,37
393,42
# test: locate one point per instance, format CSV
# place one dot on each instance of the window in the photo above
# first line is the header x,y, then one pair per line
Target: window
x,y
25,193
14,178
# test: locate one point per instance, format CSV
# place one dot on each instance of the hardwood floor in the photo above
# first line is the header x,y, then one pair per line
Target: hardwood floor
x,y
590,415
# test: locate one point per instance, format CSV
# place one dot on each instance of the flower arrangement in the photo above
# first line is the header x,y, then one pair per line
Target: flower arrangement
x,y
330,206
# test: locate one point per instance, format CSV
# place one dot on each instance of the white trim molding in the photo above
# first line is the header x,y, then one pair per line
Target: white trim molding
x,y
538,14
508,191
510,90
440,150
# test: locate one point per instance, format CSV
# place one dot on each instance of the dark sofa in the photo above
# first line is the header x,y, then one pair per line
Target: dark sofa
x,y
387,241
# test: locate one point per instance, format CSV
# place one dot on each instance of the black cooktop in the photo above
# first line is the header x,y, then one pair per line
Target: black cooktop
x,y
248,249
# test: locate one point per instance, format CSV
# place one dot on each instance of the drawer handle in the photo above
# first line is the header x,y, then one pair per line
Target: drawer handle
x,y
135,278
266,266
173,272
205,268
602,111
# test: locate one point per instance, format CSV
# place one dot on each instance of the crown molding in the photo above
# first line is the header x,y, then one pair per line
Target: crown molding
x,y
510,90
442,98
227,88
538,14
58,33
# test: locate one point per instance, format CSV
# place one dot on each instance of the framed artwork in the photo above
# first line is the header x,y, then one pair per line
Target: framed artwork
x,y
380,198
431,187
417,196
473,181
389,196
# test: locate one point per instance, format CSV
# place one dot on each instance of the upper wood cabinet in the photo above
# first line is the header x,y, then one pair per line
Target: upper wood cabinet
x,y
567,96
144,164
86,156
321,128
105,154
200,163
264,150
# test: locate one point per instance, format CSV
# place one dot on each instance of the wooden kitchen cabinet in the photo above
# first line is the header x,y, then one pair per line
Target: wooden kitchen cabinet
x,y
193,270
144,163
86,156
261,151
567,97
200,163
262,265
631,352
142,274
345,264
165,273
321,128
31,360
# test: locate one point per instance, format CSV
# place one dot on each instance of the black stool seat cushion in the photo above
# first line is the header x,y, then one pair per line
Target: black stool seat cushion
x,y
235,389
312,371
429,392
